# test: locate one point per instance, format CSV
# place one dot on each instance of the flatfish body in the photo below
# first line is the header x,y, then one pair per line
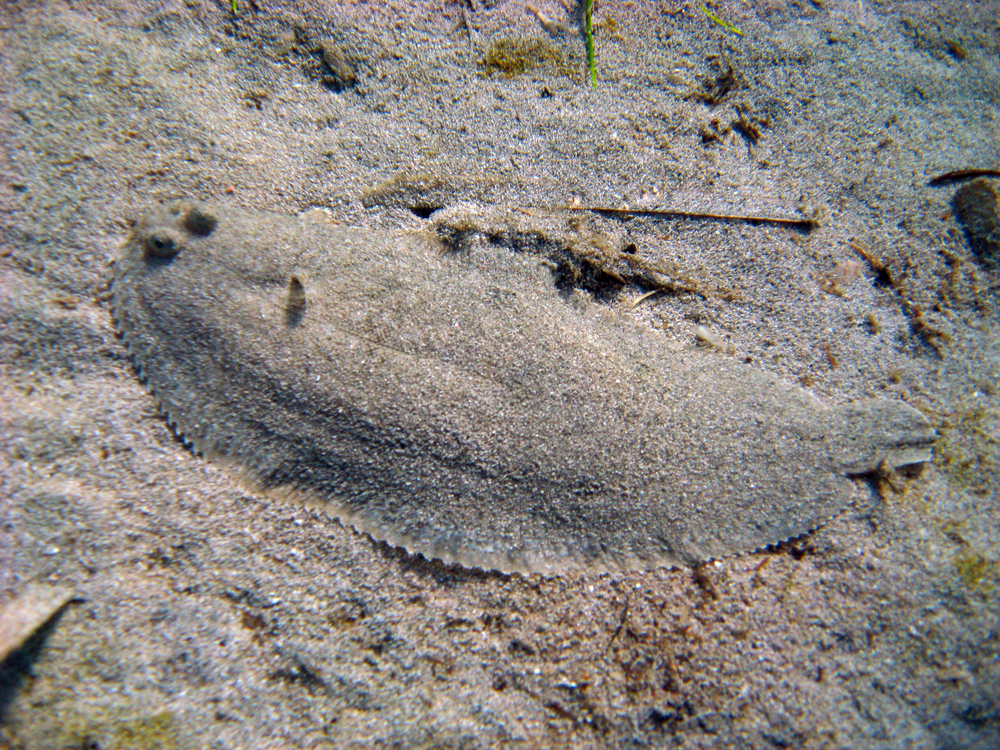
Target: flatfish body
x,y
460,405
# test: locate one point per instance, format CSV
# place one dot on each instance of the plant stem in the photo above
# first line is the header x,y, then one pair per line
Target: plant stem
x,y
588,16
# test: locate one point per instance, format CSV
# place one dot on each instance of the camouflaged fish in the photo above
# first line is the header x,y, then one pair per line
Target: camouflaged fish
x,y
456,402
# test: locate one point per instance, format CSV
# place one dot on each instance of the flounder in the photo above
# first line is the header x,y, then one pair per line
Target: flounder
x,y
459,404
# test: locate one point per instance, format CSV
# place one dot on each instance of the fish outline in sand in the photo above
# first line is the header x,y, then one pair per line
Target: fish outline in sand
x,y
458,404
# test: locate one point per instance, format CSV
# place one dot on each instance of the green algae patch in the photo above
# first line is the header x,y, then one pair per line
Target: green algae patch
x,y
513,56
968,450
158,731
978,572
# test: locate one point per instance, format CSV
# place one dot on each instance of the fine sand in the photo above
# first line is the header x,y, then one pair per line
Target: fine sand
x,y
203,616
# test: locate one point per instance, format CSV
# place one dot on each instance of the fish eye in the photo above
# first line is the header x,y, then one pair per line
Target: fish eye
x,y
161,244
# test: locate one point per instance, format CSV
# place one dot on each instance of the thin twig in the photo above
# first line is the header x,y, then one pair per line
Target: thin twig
x,y
963,174
805,224
621,623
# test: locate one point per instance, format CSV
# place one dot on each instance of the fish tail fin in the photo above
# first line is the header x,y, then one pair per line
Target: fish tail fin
x,y
882,434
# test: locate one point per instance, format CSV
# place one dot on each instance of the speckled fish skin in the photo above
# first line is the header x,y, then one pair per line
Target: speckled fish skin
x,y
457,404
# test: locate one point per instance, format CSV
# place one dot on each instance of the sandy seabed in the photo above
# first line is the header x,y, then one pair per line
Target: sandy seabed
x,y
203,616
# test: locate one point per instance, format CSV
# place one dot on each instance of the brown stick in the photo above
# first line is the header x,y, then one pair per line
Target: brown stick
x,y
805,224
963,174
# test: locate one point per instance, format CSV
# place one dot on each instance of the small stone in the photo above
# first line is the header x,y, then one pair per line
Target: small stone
x,y
977,207
27,612
335,59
